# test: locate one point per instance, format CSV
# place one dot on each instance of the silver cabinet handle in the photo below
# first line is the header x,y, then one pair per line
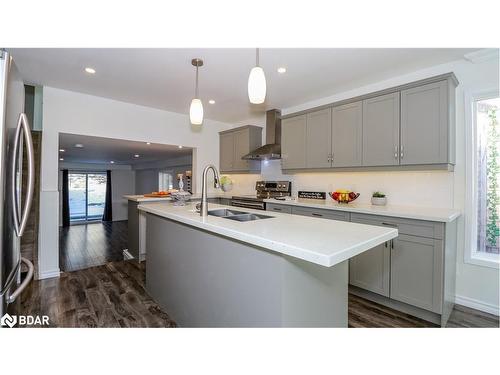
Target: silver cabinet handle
x,y
20,222
402,152
395,152
12,296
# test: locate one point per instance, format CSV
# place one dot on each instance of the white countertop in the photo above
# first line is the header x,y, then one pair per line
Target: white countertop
x,y
142,198
444,215
319,241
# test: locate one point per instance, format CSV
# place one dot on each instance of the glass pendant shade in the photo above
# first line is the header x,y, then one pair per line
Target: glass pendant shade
x,y
196,112
257,85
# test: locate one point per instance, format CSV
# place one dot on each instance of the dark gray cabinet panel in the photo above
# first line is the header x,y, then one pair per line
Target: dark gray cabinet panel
x,y
293,142
347,135
278,208
424,124
235,143
324,214
371,270
319,139
381,130
417,272
133,229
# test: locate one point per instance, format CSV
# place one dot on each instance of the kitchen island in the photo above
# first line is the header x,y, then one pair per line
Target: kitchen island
x,y
280,271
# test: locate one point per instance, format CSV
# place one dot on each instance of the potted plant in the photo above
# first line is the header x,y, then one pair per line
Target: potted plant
x,y
226,184
379,199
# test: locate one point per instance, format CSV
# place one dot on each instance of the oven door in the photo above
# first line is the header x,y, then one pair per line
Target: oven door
x,y
256,205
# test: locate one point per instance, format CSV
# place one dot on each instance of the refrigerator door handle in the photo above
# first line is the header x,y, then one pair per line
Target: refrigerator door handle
x,y
23,127
12,296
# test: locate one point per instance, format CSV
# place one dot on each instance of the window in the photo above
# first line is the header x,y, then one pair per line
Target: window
x,y
482,217
165,180
87,195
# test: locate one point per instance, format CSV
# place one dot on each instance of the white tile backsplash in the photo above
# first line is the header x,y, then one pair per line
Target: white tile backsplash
x,y
415,188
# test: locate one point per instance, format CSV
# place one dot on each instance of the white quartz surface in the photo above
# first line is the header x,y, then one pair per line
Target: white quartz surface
x,y
319,241
444,215
142,198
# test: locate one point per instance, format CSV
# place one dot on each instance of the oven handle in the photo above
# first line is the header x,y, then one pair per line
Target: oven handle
x,y
259,206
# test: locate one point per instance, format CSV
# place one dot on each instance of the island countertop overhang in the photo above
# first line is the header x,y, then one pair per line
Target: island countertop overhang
x,y
319,241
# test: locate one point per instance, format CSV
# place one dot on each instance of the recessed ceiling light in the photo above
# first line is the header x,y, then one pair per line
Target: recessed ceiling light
x,y
62,150
90,70
61,159
281,70
211,101
136,155
112,162
78,145
148,143
180,146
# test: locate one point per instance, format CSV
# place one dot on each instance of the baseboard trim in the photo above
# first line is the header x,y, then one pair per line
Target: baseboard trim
x,y
127,255
49,274
478,305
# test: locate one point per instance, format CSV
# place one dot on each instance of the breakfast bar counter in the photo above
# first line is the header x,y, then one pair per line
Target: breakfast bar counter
x,y
281,270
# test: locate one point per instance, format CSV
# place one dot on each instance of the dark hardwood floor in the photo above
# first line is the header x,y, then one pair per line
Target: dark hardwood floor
x,y
88,245
114,295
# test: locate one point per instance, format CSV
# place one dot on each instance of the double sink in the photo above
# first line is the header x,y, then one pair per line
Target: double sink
x,y
235,215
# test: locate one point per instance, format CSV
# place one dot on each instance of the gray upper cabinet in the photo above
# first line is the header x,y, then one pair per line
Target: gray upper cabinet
x,y
234,144
381,130
424,124
293,142
319,139
417,272
347,135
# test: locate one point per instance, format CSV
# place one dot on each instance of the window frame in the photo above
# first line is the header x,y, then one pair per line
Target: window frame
x,y
471,253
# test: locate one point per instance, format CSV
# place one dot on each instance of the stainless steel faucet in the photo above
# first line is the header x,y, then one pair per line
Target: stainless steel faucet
x,y
204,204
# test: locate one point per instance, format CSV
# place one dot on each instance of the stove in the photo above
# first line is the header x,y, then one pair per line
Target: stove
x,y
264,190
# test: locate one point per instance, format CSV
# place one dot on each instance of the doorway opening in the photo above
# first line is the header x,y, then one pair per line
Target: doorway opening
x,y
87,196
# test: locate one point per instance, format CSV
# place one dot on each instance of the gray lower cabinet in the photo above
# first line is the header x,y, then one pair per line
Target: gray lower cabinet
x,y
234,144
417,272
319,139
424,124
371,270
347,135
324,214
381,130
293,142
278,208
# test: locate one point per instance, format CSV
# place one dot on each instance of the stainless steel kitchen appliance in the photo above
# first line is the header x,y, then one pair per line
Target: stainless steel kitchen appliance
x,y
15,134
265,190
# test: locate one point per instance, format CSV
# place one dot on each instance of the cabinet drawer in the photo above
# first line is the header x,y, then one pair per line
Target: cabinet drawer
x,y
410,227
278,208
325,214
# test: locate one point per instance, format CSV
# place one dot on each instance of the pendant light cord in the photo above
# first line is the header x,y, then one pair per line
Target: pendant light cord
x,y
196,88
256,57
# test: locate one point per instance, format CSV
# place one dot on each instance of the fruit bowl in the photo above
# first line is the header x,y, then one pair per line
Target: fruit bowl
x,y
343,196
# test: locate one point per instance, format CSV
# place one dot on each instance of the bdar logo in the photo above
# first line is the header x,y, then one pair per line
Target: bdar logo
x,y
8,320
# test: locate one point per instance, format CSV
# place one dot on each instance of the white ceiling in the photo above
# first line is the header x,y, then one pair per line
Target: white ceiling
x,y
100,150
164,78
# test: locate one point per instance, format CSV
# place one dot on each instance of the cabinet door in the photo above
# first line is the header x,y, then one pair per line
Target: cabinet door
x,y
347,135
424,124
319,139
293,142
381,130
417,272
241,148
371,269
226,154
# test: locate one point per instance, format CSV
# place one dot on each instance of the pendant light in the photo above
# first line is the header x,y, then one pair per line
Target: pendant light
x,y
196,109
257,83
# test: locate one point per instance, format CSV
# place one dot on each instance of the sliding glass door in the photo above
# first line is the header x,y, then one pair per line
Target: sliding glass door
x,y
87,195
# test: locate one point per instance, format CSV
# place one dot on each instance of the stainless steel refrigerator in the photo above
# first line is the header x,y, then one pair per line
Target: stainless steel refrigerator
x,y
15,205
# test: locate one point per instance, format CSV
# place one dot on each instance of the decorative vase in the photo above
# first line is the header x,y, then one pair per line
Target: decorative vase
x,y
379,201
227,187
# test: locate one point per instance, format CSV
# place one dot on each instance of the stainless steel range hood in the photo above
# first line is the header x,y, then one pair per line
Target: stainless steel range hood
x,y
272,149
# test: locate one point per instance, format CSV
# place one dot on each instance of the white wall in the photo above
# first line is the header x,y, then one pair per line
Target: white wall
x,y
122,183
477,286
76,113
